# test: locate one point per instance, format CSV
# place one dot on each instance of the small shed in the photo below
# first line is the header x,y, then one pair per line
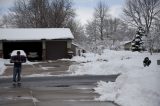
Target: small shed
x,y
126,45
77,49
38,43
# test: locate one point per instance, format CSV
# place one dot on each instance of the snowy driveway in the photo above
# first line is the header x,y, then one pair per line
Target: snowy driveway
x,y
56,88
53,91
58,67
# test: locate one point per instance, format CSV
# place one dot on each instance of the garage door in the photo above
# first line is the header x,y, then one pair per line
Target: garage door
x,y
56,50
32,49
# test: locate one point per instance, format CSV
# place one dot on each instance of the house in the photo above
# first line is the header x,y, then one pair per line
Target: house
x,y
77,49
126,45
38,43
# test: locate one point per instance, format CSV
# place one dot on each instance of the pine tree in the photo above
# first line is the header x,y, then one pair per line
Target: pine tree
x,y
137,42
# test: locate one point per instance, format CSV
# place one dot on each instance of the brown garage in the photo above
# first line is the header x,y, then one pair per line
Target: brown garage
x,y
58,48
38,43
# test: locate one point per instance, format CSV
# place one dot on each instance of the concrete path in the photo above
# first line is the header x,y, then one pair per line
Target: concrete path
x,y
51,91
51,67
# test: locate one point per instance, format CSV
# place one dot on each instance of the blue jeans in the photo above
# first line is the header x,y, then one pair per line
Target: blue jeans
x,y
16,74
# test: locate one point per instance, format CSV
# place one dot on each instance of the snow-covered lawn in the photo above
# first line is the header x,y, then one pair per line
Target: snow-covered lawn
x,y
136,86
112,62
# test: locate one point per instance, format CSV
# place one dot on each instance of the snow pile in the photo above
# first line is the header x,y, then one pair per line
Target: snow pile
x,y
2,66
138,88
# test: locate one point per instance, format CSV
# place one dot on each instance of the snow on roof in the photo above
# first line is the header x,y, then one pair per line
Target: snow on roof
x,y
75,44
35,33
125,42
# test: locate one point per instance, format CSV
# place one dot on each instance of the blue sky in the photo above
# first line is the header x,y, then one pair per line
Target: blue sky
x,y
84,8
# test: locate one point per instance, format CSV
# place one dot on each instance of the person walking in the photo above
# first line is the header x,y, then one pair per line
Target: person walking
x,y
17,60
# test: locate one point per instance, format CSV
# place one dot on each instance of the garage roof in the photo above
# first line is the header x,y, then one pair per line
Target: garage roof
x,y
35,33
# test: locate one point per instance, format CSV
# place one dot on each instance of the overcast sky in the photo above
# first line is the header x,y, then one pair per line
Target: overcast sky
x,y
84,8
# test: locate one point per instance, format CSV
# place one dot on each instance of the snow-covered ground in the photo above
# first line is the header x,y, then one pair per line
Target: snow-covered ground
x,y
2,66
136,86
112,62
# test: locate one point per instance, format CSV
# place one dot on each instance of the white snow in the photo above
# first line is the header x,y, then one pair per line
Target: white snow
x,y
23,98
111,62
2,66
136,86
47,68
35,33
39,75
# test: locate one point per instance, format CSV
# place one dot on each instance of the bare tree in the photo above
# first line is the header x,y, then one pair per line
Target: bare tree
x,y
39,12
78,32
100,16
61,12
1,24
42,13
142,12
155,38
7,21
92,32
20,14
105,31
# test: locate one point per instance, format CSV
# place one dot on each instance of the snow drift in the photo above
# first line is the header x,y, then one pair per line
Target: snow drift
x,y
136,86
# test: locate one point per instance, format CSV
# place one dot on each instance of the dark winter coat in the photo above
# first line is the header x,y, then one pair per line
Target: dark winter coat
x,y
18,60
146,61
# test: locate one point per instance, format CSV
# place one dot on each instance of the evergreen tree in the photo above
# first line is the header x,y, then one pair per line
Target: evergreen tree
x,y
137,42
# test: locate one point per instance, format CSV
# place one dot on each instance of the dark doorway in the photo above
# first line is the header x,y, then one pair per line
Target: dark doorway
x,y
32,49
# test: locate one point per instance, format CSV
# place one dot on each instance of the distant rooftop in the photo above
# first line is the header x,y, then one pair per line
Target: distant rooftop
x,y
35,33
